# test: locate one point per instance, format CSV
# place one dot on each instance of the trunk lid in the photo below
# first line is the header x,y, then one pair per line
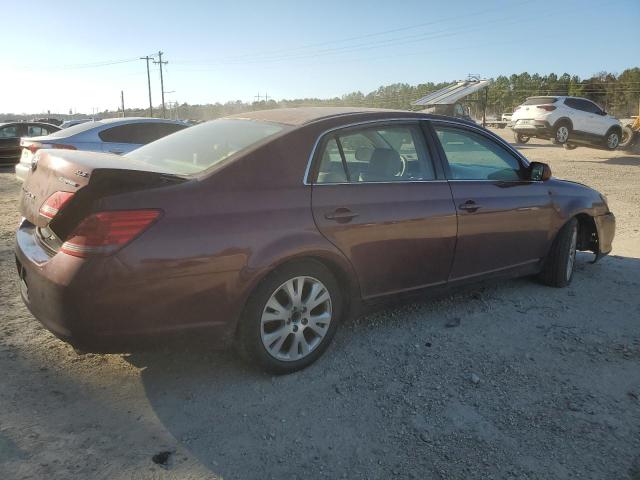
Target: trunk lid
x,y
89,176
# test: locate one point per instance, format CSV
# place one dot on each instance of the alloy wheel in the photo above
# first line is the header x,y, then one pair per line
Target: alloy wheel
x,y
562,135
613,140
296,318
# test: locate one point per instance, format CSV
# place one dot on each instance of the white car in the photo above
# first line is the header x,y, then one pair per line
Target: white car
x,y
566,120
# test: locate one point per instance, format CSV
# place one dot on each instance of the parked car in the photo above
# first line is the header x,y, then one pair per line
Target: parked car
x,y
566,120
10,134
52,121
115,135
75,121
506,117
267,228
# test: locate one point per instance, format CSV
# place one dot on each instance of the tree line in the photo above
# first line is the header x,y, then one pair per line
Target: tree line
x,y
617,94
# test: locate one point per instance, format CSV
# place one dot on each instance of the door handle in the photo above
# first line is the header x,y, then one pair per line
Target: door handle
x,y
341,215
469,206
116,151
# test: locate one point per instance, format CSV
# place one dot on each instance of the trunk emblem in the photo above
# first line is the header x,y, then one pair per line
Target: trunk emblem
x,y
34,163
28,194
66,181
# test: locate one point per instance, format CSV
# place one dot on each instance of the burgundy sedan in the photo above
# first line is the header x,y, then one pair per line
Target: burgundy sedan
x,y
265,229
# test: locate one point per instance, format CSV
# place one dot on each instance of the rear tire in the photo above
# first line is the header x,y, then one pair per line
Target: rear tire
x,y
561,133
273,338
560,262
521,138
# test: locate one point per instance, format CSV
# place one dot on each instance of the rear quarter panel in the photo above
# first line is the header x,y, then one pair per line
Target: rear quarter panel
x,y
220,236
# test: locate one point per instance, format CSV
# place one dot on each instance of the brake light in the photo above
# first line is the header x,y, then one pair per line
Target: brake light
x,y
55,203
548,108
103,233
60,145
33,147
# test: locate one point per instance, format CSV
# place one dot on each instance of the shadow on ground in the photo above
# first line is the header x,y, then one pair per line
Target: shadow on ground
x,y
392,394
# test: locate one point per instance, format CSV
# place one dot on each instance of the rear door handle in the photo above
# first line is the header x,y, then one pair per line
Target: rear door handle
x,y
116,151
341,215
469,206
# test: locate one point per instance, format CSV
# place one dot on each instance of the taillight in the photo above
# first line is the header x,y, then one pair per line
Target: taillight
x,y
548,108
60,145
33,147
103,233
54,204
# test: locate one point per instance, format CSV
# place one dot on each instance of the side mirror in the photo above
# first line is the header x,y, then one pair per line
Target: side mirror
x,y
539,172
603,113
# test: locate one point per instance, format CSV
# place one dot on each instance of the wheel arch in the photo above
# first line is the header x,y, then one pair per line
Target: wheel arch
x,y
563,120
334,261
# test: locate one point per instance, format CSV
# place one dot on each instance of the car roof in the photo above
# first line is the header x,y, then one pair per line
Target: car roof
x,y
304,115
112,121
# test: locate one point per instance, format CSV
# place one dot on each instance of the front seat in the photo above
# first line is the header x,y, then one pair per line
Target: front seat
x,y
385,164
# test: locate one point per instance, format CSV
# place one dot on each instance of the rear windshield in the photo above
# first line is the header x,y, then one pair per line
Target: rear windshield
x,y
81,127
198,148
540,100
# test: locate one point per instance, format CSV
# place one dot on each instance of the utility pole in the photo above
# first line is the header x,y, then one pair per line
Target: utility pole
x,y
147,58
122,102
160,62
257,97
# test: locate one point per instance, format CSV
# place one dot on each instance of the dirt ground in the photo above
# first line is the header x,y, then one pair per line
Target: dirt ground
x,y
532,383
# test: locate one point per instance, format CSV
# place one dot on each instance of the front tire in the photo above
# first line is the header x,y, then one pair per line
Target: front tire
x,y
612,140
560,262
291,317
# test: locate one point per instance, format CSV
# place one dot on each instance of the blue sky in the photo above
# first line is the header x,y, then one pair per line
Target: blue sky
x,y
290,49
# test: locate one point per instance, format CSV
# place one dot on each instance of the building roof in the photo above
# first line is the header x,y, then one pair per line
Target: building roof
x,y
453,93
302,115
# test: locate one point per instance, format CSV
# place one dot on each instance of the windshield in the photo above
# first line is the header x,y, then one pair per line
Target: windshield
x,y
540,100
195,149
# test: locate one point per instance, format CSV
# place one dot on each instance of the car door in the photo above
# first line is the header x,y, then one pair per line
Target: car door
x,y
596,123
10,142
577,115
378,197
504,219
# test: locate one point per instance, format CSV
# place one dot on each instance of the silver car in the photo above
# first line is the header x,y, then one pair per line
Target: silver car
x,y
112,135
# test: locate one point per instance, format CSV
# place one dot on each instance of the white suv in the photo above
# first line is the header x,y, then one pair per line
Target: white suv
x,y
566,120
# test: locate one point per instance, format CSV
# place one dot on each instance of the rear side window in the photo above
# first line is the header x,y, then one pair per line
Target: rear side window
x,y
36,131
472,156
540,100
375,154
138,133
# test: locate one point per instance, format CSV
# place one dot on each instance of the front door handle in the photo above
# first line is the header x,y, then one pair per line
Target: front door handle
x,y
469,206
341,215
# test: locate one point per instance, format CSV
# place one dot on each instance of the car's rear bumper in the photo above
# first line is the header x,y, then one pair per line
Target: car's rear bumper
x,y
606,227
93,306
536,128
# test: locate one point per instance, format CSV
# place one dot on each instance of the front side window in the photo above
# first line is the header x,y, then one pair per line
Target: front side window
x,y
375,154
472,156
9,132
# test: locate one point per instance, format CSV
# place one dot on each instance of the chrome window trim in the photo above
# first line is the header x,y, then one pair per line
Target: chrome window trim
x,y
480,130
356,124
488,134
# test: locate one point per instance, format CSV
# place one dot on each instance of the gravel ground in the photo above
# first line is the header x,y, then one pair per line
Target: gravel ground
x,y
502,380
